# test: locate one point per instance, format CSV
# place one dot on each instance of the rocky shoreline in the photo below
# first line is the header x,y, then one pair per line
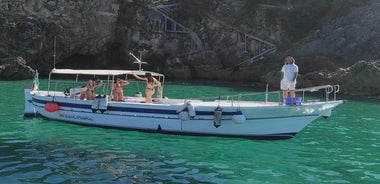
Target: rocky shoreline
x,y
15,69
357,80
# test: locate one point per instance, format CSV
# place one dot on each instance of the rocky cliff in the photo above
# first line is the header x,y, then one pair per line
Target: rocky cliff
x,y
80,28
330,40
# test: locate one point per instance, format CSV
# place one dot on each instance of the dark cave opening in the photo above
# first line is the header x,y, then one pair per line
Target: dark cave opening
x,y
78,61
115,58
109,59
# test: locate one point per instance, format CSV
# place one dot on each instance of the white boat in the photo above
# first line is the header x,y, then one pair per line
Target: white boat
x,y
230,117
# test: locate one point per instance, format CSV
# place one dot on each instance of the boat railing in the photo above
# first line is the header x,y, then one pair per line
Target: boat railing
x,y
327,89
63,85
60,85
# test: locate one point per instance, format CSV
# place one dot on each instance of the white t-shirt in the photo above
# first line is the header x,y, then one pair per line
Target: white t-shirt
x,y
289,72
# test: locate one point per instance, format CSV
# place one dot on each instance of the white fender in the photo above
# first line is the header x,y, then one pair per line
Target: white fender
x,y
182,107
238,117
191,110
326,113
184,116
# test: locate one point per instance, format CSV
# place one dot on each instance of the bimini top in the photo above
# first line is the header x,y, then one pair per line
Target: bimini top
x,y
102,72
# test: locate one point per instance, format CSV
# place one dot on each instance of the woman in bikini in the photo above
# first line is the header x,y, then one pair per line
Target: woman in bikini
x,y
91,85
117,89
151,82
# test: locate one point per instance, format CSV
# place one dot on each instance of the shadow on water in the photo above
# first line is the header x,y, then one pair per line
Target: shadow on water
x,y
47,151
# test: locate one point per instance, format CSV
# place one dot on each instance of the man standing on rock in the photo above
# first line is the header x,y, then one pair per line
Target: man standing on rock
x,y
289,73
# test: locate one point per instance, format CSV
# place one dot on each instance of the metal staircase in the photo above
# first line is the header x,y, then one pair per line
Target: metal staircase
x,y
256,48
251,46
167,24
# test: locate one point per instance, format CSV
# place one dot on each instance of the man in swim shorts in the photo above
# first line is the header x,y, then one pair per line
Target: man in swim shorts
x,y
289,73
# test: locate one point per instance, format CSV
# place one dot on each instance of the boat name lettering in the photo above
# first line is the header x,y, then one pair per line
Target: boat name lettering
x,y
75,117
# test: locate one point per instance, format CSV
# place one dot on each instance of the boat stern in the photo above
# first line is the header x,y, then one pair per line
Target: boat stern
x,y
29,111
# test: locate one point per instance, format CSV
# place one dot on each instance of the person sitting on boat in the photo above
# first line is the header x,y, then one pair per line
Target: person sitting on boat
x,y
117,89
151,82
91,85
289,73
82,95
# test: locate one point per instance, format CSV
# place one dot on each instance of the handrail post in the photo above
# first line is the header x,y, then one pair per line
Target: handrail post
x,y
336,90
303,95
328,89
266,94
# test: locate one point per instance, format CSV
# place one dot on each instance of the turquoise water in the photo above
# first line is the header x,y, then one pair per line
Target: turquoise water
x,y
342,149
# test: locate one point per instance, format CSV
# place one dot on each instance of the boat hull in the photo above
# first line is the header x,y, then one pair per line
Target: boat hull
x,y
257,120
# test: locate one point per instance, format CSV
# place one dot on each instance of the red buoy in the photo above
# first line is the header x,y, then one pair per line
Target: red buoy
x,y
51,107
